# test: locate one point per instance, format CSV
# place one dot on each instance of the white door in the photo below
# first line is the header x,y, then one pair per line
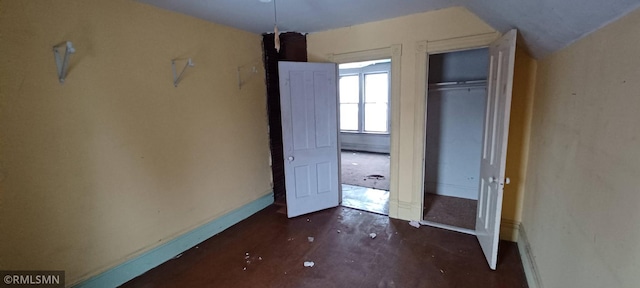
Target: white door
x,y
308,100
494,148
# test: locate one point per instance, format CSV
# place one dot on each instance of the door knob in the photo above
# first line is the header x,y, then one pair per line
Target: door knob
x,y
290,158
495,180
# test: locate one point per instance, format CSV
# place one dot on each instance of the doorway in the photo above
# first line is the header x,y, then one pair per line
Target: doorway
x,y
364,109
456,101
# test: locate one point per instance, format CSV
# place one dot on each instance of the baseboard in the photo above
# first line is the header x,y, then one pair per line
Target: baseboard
x,y
528,261
404,210
509,230
451,190
145,262
365,148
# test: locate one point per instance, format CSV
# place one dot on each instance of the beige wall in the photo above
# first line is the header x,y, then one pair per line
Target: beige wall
x,y
414,33
582,206
117,161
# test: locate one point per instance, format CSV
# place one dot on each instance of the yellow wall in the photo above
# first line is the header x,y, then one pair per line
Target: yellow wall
x,y
519,129
410,32
582,206
117,161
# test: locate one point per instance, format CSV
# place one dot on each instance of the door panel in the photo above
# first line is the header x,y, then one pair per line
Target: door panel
x,y
308,93
324,172
302,180
494,151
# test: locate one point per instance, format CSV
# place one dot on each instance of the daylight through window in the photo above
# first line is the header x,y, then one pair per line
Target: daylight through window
x,y
364,97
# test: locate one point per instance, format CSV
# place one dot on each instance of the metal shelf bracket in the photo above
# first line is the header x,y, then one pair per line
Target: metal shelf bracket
x,y
178,77
63,63
245,73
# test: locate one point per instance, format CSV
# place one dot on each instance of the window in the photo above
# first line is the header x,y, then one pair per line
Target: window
x,y
364,97
349,102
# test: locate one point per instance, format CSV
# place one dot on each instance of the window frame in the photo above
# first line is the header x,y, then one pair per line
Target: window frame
x,y
378,68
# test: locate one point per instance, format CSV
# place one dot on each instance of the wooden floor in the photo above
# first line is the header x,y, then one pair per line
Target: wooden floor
x,y
268,250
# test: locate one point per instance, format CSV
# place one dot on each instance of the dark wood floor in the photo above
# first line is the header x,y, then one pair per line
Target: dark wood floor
x,y
268,250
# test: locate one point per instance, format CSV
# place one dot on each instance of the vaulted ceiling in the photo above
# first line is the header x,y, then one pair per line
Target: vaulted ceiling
x,y
545,25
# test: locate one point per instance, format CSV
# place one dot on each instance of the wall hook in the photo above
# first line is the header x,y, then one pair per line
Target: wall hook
x,y
63,64
176,77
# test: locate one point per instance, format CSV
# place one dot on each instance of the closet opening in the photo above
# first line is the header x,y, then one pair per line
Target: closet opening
x,y
456,99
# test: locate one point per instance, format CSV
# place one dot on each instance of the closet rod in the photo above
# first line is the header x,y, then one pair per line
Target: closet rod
x,y
457,85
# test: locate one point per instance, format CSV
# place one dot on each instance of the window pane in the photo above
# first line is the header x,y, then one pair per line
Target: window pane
x,y
376,88
349,117
350,89
375,117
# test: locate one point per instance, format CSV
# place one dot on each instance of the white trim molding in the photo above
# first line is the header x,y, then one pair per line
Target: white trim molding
x,y
403,210
509,230
528,260
460,43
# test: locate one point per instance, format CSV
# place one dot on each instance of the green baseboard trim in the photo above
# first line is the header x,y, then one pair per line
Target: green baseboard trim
x,y
145,262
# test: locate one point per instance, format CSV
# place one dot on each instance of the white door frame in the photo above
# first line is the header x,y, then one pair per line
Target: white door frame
x,y
423,50
393,52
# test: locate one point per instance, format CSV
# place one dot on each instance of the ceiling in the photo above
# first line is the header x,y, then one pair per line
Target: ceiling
x,y
545,25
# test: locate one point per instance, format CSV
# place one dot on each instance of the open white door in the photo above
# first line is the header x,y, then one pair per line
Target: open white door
x,y
494,148
308,100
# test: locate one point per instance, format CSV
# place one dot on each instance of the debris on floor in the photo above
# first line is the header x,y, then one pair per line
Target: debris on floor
x,y
338,230
244,269
373,235
310,239
374,176
308,220
414,223
309,263
260,258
